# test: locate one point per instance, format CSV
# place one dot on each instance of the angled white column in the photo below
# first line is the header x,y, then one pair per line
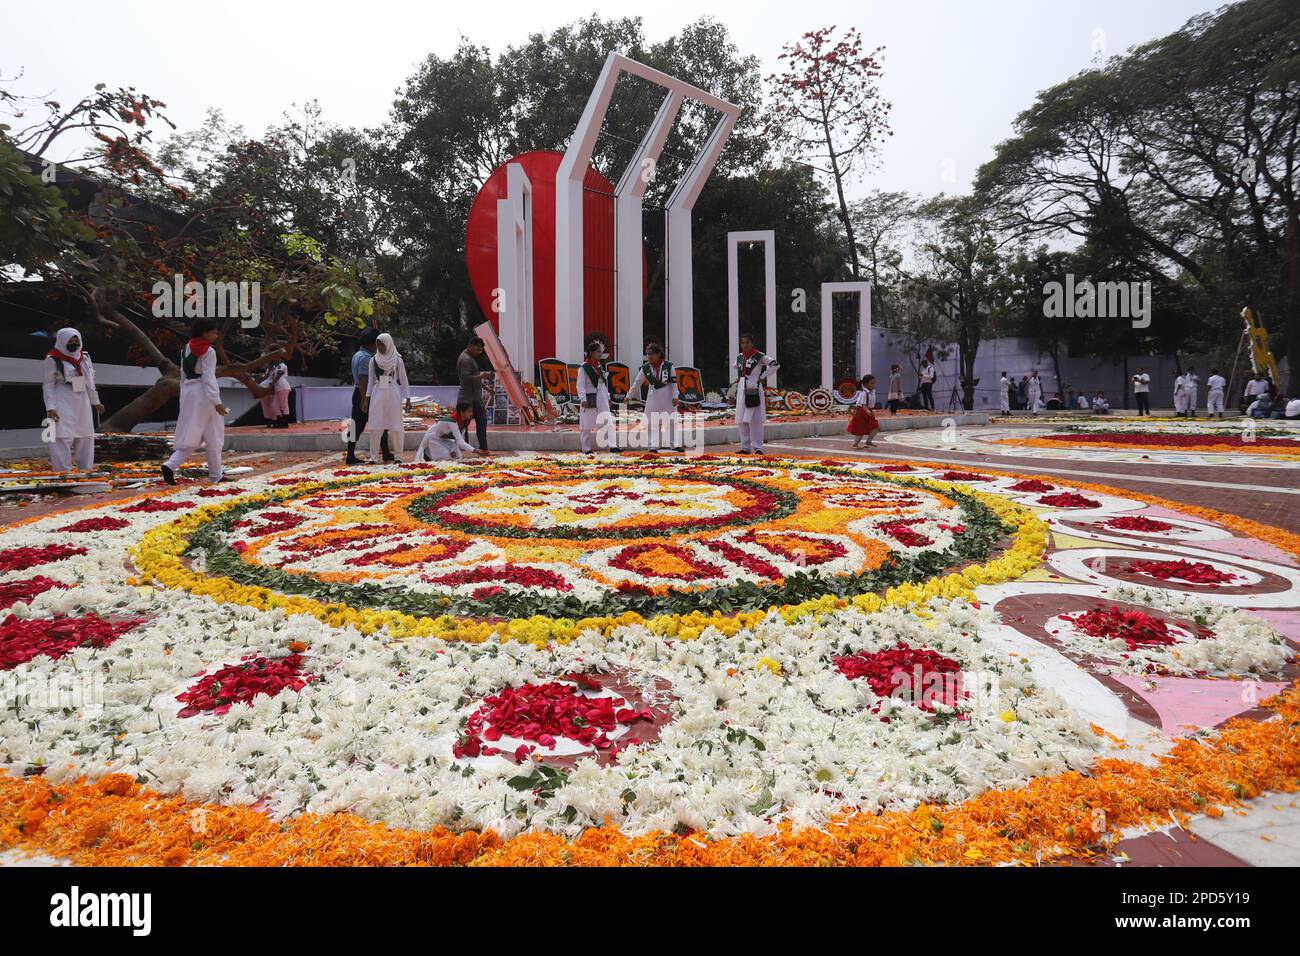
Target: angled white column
x,y
514,296
863,291
568,215
568,211
629,278
768,239
679,276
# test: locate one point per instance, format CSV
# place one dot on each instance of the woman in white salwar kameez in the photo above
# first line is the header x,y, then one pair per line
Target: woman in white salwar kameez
x,y
752,367
68,384
444,439
593,396
388,398
661,418
202,418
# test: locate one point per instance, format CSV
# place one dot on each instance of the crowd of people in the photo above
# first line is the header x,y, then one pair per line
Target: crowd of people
x,y
381,397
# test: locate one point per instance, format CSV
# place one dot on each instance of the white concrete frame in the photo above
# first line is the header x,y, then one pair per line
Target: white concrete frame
x,y
515,270
629,277
863,292
768,239
631,188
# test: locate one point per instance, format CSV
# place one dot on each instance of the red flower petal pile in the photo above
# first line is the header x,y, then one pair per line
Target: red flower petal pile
x,y
219,492
543,713
239,683
502,574
1068,499
21,640
11,592
1135,628
95,524
1032,485
1194,572
157,504
1137,523
20,559
911,674
892,469
963,476
1182,440
272,521
904,535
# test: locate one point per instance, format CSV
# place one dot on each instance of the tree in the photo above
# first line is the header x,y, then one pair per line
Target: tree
x,y
1182,156
306,297
881,222
829,109
961,281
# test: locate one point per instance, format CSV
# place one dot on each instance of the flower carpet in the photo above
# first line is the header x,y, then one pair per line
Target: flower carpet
x,y
636,660
1229,443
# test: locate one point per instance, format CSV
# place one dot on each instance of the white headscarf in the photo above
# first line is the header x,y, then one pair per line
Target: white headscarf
x,y
387,360
61,339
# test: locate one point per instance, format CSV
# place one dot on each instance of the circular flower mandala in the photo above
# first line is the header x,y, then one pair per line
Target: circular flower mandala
x,y
571,540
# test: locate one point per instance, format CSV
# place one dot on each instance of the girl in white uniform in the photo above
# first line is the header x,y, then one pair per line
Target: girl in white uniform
x,y
388,397
593,395
443,440
1192,384
68,384
752,367
202,419
661,399
1180,395
275,407
1217,388
1035,393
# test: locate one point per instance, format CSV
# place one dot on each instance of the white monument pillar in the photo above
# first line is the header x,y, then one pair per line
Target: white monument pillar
x,y
767,237
863,292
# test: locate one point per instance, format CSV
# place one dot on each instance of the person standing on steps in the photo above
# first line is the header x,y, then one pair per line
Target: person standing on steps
x,y
1142,390
752,367
388,398
1192,385
593,395
360,382
68,386
927,379
275,406
1034,392
472,382
895,388
202,418
661,417
1217,390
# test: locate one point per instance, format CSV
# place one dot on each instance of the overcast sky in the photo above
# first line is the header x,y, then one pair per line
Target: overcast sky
x,y
957,71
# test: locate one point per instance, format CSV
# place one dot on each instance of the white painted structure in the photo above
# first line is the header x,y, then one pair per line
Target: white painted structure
x,y
766,237
515,270
628,277
863,291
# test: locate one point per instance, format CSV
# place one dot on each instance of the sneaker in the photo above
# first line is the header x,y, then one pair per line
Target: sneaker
x,y
169,476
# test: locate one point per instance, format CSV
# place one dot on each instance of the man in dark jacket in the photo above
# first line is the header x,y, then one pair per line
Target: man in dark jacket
x,y
472,380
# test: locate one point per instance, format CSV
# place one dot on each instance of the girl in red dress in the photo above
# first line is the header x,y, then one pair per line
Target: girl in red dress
x,y
863,424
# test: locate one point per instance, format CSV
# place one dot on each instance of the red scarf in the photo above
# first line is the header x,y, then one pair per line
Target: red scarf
x,y
748,353
199,346
594,363
56,354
